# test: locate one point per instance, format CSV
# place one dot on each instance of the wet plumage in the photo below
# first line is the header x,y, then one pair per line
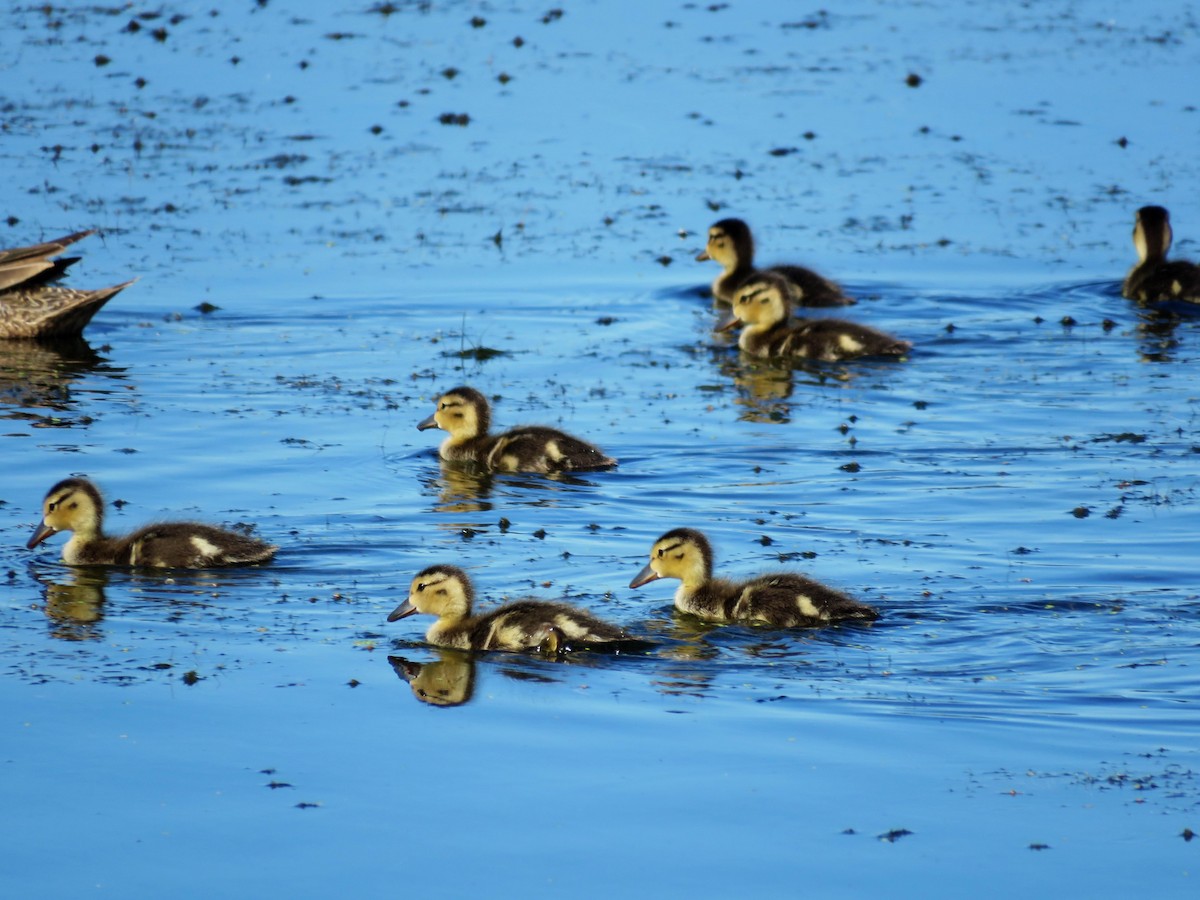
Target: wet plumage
x,y
447,593
1154,278
731,244
76,505
464,413
780,599
761,308
32,305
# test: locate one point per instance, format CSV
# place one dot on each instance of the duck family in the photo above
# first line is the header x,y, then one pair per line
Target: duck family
x,y
764,304
33,304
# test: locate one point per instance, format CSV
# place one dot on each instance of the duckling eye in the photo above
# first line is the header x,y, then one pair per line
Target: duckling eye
x,y
660,552
421,586
50,507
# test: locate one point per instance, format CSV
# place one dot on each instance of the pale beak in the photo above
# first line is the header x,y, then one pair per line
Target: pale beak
x,y
404,609
644,577
703,257
729,324
42,532
426,423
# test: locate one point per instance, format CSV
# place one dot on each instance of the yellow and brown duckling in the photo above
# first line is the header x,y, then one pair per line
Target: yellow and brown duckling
x,y
731,244
75,505
1154,279
780,599
32,305
467,416
760,306
446,592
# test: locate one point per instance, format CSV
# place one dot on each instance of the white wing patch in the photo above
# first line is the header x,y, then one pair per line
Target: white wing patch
x,y
205,548
849,344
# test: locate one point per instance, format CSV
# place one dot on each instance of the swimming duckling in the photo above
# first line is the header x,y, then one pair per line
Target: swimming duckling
x,y
781,599
1155,279
731,244
75,504
446,592
761,307
466,415
32,306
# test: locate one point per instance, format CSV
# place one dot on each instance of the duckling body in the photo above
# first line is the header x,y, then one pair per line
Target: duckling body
x,y
466,415
75,505
761,306
731,244
782,600
32,305
446,592
1154,279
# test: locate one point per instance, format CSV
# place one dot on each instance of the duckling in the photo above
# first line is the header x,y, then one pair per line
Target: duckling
x,y
783,599
761,306
731,244
32,306
75,504
446,592
466,415
1155,279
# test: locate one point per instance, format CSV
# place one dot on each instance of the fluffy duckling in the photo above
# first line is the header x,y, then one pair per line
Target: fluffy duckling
x,y
446,592
731,244
467,416
782,599
761,306
75,505
1155,279
32,305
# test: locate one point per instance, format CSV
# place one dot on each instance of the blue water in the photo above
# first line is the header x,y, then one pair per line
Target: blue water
x,y
1022,718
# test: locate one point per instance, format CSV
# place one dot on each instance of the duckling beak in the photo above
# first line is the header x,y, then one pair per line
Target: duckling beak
x,y
42,532
427,423
644,577
404,609
729,324
703,257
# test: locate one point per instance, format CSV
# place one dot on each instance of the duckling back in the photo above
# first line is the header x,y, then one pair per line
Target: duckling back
x,y
540,625
826,340
535,448
191,545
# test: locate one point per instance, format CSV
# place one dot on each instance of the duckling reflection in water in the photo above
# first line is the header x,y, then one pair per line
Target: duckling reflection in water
x,y
761,306
32,305
780,599
466,415
731,244
75,505
551,628
1153,279
448,681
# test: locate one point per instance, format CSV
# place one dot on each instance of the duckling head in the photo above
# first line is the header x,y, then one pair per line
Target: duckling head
x,y
442,591
463,412
74,504
682,553
1152,233
760,303
730,244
